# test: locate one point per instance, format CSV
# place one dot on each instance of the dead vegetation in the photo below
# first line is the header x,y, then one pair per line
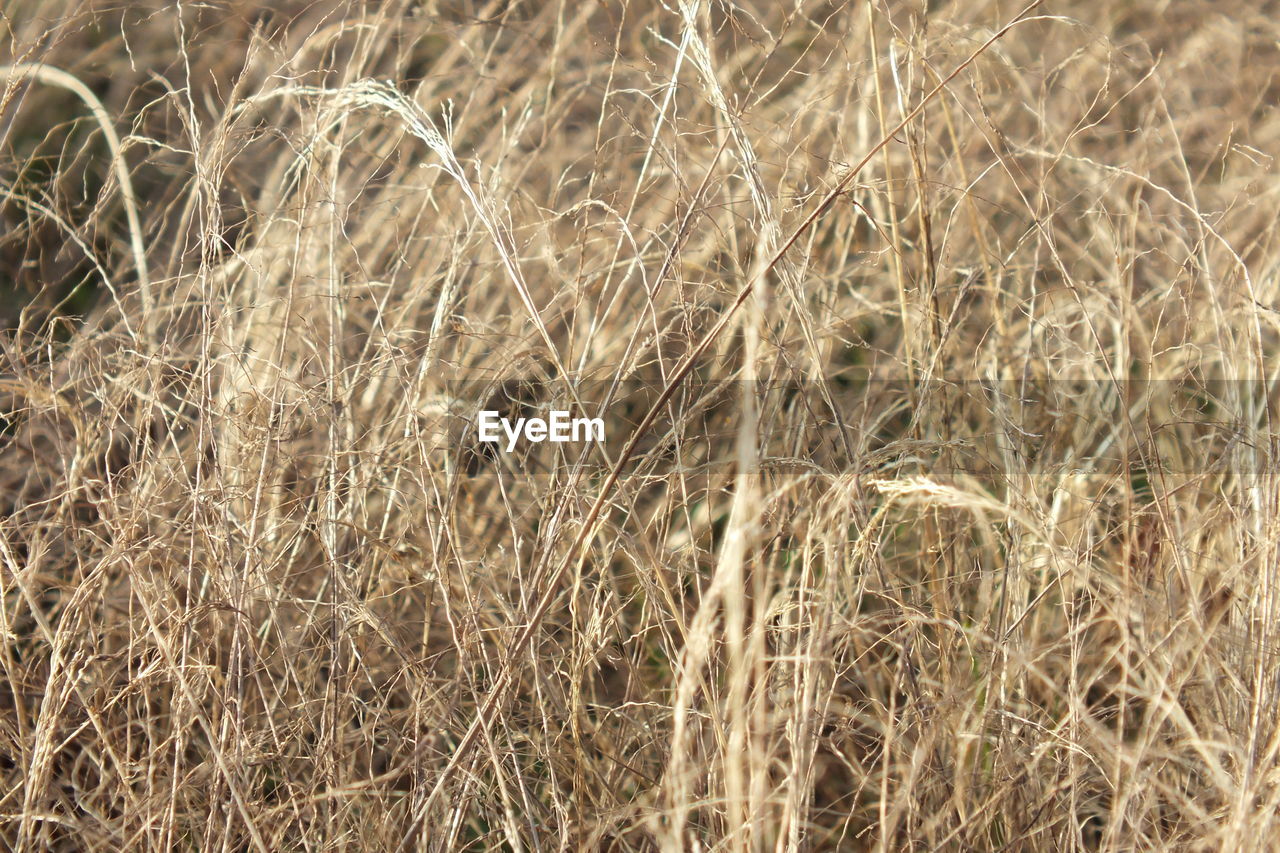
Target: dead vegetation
x,y
936,345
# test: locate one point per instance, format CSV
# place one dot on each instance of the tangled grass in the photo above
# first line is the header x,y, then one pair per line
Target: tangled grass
x,y
937,347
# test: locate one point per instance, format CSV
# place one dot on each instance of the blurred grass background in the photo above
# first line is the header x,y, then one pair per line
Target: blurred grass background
x,y
255,593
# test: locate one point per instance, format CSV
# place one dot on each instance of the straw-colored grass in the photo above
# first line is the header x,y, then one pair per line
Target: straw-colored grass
x,y
935,345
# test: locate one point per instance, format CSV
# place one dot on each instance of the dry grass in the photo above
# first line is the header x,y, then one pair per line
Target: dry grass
x,y
936,509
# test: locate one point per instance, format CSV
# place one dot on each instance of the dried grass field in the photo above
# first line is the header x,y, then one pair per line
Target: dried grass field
x,y
936,346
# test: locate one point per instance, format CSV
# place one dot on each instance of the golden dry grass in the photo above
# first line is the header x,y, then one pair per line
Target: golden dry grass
x,y
937,344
